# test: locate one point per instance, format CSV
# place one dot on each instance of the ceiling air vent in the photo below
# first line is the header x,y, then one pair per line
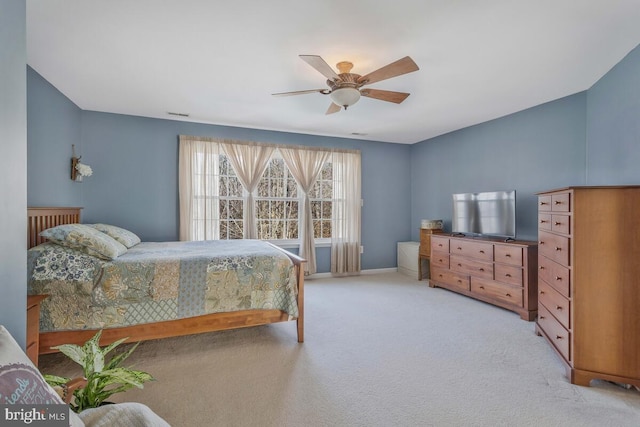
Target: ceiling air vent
x,y
178,114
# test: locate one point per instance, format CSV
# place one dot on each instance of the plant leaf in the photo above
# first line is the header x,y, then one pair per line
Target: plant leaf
x,y
94,358
73,352
54,380
119,358
124,376
113,345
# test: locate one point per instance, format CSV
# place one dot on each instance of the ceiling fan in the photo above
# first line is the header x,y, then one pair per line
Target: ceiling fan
x,y
345,88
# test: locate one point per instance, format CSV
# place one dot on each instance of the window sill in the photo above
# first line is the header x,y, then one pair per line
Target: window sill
x,y
286,244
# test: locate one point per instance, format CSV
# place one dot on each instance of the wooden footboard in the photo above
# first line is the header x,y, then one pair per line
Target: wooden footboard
x,y
40,219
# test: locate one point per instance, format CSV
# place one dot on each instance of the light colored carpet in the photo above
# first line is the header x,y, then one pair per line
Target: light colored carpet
x,y
380,350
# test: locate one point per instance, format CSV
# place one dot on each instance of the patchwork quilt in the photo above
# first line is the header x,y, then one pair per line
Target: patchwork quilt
x,y
156,281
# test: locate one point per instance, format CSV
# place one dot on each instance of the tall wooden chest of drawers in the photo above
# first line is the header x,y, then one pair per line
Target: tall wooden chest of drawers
x,y
589,280
500,273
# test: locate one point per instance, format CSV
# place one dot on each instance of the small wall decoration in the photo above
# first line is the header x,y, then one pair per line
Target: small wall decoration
x,y
78,170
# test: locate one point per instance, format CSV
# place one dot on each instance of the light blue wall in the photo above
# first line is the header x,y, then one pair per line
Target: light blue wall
x,y
54,125
13,164
613,125
135,164
533,150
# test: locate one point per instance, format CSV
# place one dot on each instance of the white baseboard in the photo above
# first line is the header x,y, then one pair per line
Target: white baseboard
x,y
362,273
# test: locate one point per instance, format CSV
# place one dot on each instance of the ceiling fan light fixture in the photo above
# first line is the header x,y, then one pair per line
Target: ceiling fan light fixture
x,y
345,97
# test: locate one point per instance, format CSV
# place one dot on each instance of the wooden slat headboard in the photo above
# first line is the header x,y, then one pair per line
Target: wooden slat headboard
x,y
39,219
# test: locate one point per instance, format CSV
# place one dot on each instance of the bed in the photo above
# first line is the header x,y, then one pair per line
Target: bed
x,y
155,290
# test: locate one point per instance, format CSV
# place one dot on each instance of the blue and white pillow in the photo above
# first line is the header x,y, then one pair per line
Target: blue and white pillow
x,y
86,239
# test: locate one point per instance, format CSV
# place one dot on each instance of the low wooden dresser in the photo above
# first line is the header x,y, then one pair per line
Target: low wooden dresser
x,y
497,272
589,281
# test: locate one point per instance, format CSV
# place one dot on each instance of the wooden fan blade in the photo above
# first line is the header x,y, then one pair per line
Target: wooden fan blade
x,y
398,68
319,64
333,108
385,95
302,92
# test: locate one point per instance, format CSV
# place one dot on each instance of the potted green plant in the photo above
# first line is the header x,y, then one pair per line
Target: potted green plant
x,y
103,378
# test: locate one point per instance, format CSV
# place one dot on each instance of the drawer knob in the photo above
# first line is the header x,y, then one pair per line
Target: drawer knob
x,y
558,337
481,269
558,248
509,295
541,292
559,307
507,275
459,248
541,242
542,221
541,267
542,317
558,202
481,251
558,223
543,203
558,278
481,287
508,255
459,265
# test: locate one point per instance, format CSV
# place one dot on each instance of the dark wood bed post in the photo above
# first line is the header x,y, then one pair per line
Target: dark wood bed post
x,y
46,217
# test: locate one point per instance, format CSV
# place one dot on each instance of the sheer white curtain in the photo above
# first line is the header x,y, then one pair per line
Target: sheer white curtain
x,y
346,223
198,189
305,166
249,162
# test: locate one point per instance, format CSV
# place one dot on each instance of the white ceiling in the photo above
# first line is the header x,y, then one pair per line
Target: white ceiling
x,y
220,61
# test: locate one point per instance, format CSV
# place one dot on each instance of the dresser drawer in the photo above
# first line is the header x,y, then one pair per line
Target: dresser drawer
x,y
478,250
544,203
544,221
471,266
494,290
555,303
557,334
439,260
561,202
561,224
509,274
446,277
507,254
439,244
554,247
555,274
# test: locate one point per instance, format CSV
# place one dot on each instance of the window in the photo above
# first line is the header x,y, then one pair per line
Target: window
x,y
231,201
213,199
277,202
322,202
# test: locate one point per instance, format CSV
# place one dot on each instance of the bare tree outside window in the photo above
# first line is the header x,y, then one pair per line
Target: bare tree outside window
x,y
231,201
277,202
